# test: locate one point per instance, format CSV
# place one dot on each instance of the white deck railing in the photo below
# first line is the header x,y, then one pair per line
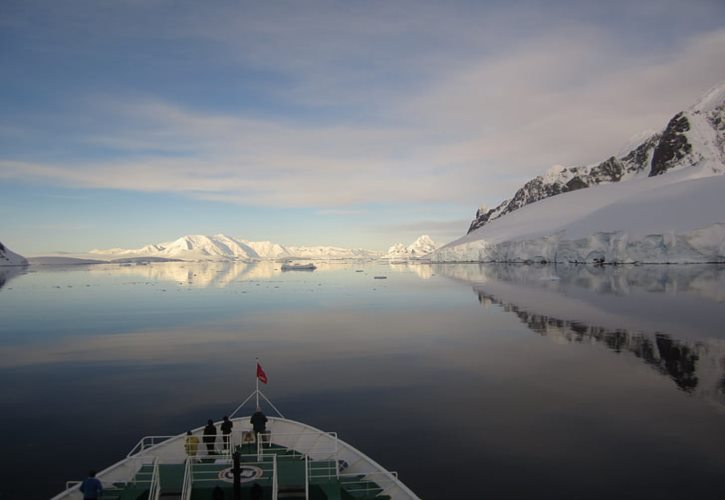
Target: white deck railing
x,y
155,486
147,442
362,483
186,486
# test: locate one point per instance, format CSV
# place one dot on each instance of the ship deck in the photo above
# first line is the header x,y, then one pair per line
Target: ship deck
x,y
211,473
291,461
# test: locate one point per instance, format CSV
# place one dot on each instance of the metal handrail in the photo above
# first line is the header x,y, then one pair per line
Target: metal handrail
x,y
155,487
307,477
369,477
147,442
275,437
319,471
186,485
192,474
275,485
143,460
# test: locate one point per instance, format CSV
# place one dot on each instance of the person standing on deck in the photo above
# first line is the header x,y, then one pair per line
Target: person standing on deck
x,y
226,431
209,436
191,445
259,422
91,487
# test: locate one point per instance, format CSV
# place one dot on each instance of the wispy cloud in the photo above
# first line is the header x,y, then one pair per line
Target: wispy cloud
x,y
569,98
440,230
377,106
340,212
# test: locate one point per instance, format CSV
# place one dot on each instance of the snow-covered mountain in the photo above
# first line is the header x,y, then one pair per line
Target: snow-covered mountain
x,y
695,137
419,248
268,250
325,252
191,247
221,247
10,258
663,202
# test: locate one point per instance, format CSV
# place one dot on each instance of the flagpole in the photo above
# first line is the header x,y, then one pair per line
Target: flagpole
x,y
256,376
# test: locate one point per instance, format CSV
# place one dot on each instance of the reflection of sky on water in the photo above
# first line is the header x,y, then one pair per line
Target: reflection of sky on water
x,y
406,369
87,300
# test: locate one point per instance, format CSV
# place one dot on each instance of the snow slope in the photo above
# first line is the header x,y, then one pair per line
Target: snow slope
x,y
10,258
268,250
662,202
675,217
419,248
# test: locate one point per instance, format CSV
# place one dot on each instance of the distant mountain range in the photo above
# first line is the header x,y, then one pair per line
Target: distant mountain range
x,y
660,203
220,247
692,137
223,247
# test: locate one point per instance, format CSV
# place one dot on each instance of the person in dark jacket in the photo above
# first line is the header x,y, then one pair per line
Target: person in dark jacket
x,y
209,436
259,422
91,487
226,431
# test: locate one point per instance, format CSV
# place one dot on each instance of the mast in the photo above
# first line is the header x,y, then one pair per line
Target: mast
x,y
256,393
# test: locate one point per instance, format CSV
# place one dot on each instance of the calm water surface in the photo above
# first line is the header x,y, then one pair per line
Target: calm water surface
x,y
471,381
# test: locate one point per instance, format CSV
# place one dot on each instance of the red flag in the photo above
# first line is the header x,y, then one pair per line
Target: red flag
x,y
260,373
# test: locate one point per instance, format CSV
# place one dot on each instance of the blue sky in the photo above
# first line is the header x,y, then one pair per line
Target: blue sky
x,y
356,123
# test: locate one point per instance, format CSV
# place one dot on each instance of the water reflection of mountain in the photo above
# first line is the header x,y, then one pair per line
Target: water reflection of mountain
x,y
707,281
423,270
682,362
684,301
9,272
670,317
202,274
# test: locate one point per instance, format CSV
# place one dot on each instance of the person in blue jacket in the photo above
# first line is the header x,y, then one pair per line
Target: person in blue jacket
x,y
91,487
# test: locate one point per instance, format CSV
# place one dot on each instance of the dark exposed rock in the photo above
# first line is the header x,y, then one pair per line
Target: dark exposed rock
x,y
570,179
639,156
673,146
576,183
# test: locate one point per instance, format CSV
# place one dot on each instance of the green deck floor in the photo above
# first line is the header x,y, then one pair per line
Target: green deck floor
x,y
323,485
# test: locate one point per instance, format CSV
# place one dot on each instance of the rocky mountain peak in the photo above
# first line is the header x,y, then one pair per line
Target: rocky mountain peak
x,y
673,146
692,137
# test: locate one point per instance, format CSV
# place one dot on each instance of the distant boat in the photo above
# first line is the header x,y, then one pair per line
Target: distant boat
x,y
298,267
380,277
